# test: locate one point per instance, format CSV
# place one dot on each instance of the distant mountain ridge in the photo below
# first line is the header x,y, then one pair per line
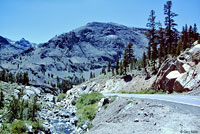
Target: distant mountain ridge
x,y
77,53
8,47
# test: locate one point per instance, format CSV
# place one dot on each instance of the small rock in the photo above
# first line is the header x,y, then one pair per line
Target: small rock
x,y
136,120
145,114
146,120
154,124
84,127
151,114
142,109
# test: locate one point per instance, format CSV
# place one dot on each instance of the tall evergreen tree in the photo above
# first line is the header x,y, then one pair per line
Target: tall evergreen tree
x,y
1,98
103,71
184,38
91,75
117,66
11,79
121,68
163,48
109,66
190,36
170,25
25,80
152,36
130,53
144,61
125,62
195,33
3,75
132,64
113,72
35,108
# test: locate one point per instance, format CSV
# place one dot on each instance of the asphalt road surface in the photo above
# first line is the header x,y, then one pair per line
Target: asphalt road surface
x,y
181,99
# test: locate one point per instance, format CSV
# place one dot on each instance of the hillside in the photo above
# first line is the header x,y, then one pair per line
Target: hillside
x,y
75,54
8,48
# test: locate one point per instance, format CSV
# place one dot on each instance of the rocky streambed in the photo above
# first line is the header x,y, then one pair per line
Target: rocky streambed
x,y
56,118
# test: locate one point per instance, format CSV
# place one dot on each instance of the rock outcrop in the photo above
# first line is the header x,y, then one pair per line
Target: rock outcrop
x,y
181,73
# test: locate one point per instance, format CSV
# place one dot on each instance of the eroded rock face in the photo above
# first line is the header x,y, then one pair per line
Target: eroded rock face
x,y
181,73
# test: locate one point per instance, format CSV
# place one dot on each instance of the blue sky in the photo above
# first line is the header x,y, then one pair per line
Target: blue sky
x,y
40,20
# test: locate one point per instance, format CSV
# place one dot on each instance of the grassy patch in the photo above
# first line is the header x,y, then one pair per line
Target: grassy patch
x,y
143,91
61,96
87,107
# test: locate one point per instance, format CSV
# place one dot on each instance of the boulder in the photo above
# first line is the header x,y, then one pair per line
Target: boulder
x,y
162,81
180,74
179,65
170,79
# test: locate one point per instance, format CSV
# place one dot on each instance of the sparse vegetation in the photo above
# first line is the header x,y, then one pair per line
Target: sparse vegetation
x,y
61,96
143,91
17,113
87,107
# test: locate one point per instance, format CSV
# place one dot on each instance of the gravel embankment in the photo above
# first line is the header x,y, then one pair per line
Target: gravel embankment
x,y
139,116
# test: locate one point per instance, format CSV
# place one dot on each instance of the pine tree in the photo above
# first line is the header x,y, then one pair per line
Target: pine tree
x,y
170,25
149,51
184,37
195,33
109,65
11,79
3,75
121,68
144,62
117,66
103,71
175,42
25,79
1,98
21,110
152,36
91,75
13,109
35,108
132,64
113,72
190,36
130,53
162,48
125,62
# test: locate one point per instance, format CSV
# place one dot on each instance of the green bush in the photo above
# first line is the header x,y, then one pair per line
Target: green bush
x,y
18,127
87,107
61,96
88,99
37,126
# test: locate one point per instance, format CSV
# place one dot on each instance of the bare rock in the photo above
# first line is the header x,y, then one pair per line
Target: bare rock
x,y
180,74
162,81
136,120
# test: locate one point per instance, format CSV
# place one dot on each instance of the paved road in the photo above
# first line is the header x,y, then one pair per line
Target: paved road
x,y
181,99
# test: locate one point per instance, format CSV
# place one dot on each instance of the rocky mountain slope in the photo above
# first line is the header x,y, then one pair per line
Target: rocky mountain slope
x,y
8,48
75,54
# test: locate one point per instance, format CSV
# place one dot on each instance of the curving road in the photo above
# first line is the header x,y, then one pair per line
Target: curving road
x,y
181,99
